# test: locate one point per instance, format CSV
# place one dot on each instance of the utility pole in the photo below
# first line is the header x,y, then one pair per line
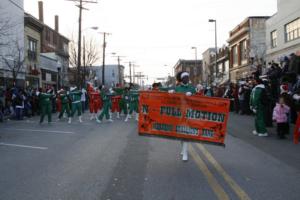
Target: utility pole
x,y
103,60
119,66
84,63
130,77
80,6
133,67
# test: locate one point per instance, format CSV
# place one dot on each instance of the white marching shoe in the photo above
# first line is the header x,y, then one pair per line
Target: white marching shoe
x,y
92,117
80,119
98,121
254,132
70,120
137,117
185,156
110,120
263,134
126,119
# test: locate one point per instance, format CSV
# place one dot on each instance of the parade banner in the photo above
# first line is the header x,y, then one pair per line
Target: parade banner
x,y
177,116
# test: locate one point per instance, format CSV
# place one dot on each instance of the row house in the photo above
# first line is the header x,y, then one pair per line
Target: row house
x,y
220,71
208,67
33,29
283,31
55,43
193,67
247,46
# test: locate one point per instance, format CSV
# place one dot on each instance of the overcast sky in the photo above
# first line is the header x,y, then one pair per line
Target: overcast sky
x,y
154,33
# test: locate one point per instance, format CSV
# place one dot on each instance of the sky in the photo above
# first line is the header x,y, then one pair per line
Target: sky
x,y
154,34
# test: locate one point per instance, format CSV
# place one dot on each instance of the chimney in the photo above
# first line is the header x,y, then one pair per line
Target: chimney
x,y
41,11
56,23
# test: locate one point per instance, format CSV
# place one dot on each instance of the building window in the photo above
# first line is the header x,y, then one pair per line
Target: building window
x,y
54,38
32,49
274,39
220,68
292,30
235,56
243,47
66,48
47,35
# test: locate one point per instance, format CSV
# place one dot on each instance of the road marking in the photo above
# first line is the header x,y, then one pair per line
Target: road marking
x,y
35,130
23,146
234,186
212,181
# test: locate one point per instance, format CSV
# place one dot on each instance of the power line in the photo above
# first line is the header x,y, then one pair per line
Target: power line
x,y
80,6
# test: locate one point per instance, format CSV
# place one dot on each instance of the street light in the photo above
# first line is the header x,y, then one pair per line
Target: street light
x,y
216,45
195,48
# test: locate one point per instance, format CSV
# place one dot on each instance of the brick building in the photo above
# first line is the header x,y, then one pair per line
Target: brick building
x,y
221,76
54,42
193,67
33,29
247,47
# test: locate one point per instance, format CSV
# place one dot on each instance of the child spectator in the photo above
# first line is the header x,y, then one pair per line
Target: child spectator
x,y
280,116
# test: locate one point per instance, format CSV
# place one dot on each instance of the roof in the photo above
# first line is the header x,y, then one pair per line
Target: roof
x,y
27,15
246,19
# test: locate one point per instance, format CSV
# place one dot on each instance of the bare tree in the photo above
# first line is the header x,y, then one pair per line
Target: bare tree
x,y
89,56
14,60
91,53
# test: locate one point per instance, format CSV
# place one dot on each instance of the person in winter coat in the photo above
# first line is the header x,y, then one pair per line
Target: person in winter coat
x,y
257,105
19,99
280,116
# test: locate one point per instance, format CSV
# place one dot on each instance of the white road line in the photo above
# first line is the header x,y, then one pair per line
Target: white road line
x,y
23,146
35,130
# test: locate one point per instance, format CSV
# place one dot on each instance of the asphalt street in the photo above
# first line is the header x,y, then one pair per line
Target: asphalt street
x,y
109,161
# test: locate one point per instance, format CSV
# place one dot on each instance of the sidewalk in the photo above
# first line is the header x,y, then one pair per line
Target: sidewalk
x,y
241,126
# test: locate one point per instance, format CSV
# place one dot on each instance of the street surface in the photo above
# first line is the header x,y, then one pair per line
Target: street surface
x,y
110,161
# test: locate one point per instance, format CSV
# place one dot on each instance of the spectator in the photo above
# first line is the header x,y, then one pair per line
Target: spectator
x,y
280,116
19,104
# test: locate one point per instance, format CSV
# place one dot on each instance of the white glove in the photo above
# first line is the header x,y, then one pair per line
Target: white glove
x,y
37,93
171,91
254,110
188,94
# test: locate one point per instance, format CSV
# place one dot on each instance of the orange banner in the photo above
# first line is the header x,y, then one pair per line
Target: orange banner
x,y
177,116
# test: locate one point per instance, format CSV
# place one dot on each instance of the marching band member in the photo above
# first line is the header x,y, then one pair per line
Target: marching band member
x,y
106,106
183,86
45,103
75,95
133,105
65,107
94,102
116,101
125,102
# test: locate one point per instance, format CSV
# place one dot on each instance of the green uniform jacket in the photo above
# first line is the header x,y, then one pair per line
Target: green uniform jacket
x,y
44,98
133,96
185,88
118,91
75,96
256,97
64,98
